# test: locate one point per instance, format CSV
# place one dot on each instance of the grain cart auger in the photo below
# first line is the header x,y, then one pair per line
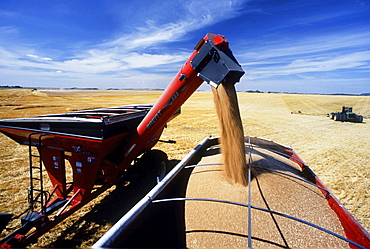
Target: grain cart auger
x,y
101,144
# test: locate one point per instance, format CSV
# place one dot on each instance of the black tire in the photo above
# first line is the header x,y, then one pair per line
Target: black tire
x,y
337,117
359,119
153,164
343,117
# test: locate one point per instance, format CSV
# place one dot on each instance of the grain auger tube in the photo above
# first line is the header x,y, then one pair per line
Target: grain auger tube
x,y
212,61
100,145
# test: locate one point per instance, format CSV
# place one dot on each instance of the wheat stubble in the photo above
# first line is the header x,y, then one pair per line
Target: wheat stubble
x,y
232,134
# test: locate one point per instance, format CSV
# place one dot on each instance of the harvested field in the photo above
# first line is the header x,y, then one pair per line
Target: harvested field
x,y
337,152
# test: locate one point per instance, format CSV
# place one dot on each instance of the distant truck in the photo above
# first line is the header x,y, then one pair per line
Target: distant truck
x,y
346,115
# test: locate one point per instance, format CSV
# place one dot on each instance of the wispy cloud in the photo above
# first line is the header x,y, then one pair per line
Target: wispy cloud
x,y
151,40
318,44
126,53
194,16
319,54
38,57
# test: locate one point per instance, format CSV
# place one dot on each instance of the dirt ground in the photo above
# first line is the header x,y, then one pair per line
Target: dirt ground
x,y
338,152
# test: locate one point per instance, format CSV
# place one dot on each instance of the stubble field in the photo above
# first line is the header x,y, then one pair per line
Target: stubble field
x,y
338,152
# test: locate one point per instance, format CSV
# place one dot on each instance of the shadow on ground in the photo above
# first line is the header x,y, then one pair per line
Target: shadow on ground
x,y
161,225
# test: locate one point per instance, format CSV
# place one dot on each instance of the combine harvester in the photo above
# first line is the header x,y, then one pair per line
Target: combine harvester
x,y
103,146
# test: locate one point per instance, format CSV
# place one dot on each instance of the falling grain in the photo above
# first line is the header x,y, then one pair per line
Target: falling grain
x,y
232,135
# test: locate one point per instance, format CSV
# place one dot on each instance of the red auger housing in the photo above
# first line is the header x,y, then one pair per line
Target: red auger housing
x,y
101,144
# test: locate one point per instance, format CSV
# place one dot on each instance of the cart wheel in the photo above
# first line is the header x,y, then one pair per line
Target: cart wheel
x,y
154,164
338,117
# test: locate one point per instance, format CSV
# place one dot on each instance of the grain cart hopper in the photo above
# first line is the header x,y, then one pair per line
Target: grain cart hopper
x,y
102,144
346,115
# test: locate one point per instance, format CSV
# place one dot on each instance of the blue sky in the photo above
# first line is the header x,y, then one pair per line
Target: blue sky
x,y
286,46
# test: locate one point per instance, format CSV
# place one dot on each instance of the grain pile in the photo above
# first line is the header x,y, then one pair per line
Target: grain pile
x,y
214,224
232,134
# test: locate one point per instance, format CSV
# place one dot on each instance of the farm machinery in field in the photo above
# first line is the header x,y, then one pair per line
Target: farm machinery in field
x,y
346,115
101,146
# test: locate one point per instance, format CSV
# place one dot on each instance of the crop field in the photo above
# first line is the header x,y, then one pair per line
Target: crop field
x,y
338,152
